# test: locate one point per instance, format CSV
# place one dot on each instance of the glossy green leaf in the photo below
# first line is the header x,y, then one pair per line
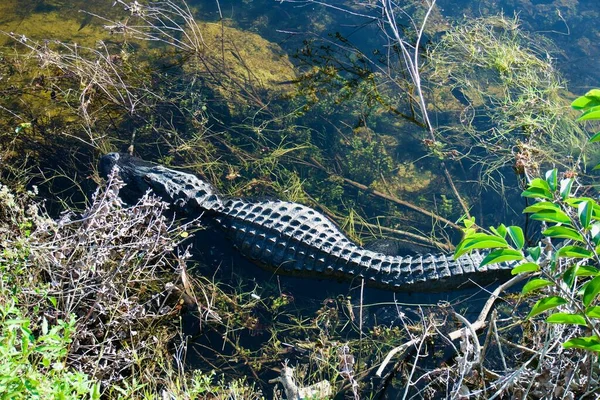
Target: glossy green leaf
x,y
501,255
569,275
595,232
500,231
525,268
516,235
591,291
593,312
540,206
534,252
539,183
535,284
545,304
584,210
587,270
591,99
552,178
578,270
537,193
563,232
591,114
565,187
469,222
479,241
581,103
591,343
557,216
574,251
566,318
574,201
595,138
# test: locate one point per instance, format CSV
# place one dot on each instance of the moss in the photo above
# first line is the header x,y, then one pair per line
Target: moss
x,y
241,66
56,24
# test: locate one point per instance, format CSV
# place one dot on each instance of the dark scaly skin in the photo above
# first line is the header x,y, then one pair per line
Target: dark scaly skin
x,y
294,239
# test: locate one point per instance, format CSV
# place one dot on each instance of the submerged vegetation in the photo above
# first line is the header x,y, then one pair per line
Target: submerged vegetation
x,y
502,83
104,299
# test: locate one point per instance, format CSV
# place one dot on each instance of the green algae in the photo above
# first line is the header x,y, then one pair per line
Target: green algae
x,y
243,68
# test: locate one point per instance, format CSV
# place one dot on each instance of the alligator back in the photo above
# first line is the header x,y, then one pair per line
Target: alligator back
x,y
295,239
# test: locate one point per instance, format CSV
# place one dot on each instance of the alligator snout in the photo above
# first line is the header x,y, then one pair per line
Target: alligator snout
x,y
107,163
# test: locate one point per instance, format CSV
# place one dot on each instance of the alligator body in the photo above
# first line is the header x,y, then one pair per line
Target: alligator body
x,y
294,239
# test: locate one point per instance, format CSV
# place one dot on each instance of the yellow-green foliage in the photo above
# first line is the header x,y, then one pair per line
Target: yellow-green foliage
x,y
34,363
51,21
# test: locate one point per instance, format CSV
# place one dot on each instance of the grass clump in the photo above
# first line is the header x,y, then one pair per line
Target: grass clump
x,y
509,98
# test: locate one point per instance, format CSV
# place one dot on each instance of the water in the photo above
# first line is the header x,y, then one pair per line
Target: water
x,y
348,120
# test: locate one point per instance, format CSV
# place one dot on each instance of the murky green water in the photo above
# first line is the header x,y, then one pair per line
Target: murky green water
x,y
306,102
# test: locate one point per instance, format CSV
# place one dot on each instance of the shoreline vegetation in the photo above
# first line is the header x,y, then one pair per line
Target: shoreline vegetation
x,y
436,125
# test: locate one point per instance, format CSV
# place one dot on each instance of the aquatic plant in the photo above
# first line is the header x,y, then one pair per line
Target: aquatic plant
x,y
508,96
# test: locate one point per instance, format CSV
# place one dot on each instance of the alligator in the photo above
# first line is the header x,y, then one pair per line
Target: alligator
x,y
294,239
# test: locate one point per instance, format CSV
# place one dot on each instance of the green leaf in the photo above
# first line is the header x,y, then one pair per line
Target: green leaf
x,y
591,114
584,210
574,251
595,138
516,235
545,304
595,232
541,205
574,201
591,343
593,312
590,99
563,232
585,104
565,187
565,318
501,255
525,268
578,270
535,284
569,275
591,291
479,241
557,216
535,193
469,222
586,270
552,178
534,252
500,231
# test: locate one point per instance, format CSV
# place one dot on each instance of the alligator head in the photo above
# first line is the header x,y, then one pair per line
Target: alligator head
x,y
179,188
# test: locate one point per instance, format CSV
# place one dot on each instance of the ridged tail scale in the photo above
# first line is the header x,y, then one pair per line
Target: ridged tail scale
x,y
298,240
